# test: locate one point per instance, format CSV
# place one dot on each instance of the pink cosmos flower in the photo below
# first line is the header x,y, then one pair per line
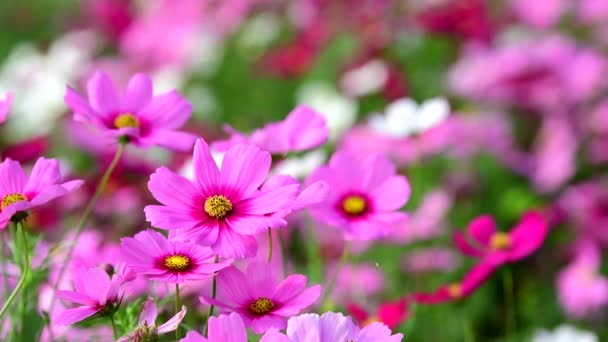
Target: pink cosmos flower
x,y
96,293
20,193
225,328
222,208
391,314
582,290
474,278
365,196
149,253
6,100
332,327
303,129
484,241
430,259
262,301
147,329
540,14
136,115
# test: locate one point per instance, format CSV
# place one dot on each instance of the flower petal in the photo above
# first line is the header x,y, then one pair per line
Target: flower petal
x,y
103,95
71,316
391,194
138,94
173,322
243,170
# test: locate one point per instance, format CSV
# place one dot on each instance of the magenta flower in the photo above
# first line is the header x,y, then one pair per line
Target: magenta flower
x,y
20,193
147,330
137,116
391,314
222,208
456,291
261,300
303,129
6,101
149,253
365,196
332,327
484,241
96,294
225,328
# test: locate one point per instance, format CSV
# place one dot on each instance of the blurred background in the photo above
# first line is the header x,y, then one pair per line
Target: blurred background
x,y
528,126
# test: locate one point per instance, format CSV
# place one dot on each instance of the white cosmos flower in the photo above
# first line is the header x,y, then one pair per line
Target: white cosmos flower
x,y
38,80
565,333
365,79
300,167
339,111
405,117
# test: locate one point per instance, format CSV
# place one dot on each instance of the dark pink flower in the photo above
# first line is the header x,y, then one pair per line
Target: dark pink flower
x,y
302,129
364,196
485,242
151,254
474,278
19,192
262,301
135,115
223,207
391,314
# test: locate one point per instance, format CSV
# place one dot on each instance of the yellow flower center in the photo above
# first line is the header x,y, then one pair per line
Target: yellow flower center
x,y
218,206
177,262
500,241
455,290
12,199
126,120
261,306
354,205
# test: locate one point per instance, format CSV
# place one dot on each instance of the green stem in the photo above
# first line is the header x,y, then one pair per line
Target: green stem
x,y
85,218
177,308
3,265
269,244
114,329
467,326
24,275
332,281
507,280
213,294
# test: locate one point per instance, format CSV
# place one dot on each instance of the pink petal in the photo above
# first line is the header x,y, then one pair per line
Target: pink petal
x,y
233,287
315,193
378,332
290,287
376,169
227,328
294,305
231,244
171,218
169,139
81,109
174,190
71,316
270,201
482,228
264,323
96,284
6,101
103,95
148,313
305,128
243,170
167,111
173,322
12,177
252,224
464,246
206,171
193,336
138,94
75,297
274,335
48,194
391,194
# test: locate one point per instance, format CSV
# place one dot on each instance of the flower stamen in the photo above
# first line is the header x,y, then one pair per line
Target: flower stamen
x,y
177,262
455,290
500,241
218,206
354,205
261,306
12,199
126,120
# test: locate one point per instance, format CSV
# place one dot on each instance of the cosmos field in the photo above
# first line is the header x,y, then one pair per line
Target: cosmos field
x,y
304,171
